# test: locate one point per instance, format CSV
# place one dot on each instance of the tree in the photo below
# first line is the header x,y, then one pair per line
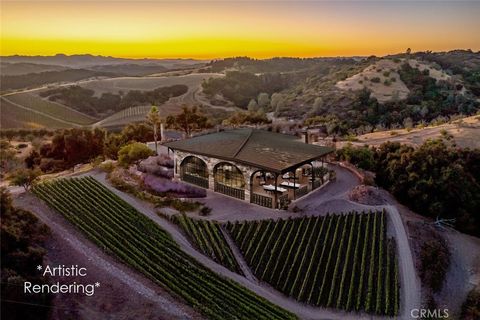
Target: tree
x,y
7,154
252,105
317,105
133,153
408,51
153,118
22,246
263,100
471,306
246,117
25,177
188,121
434,263
435,179
362,157
139,132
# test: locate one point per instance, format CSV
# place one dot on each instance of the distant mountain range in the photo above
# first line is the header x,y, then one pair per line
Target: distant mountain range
x,y
88,60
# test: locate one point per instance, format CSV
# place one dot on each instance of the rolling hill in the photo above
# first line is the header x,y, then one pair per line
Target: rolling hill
x,y
349,96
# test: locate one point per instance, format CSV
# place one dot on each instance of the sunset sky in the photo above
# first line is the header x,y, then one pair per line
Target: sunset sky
x,y
199,29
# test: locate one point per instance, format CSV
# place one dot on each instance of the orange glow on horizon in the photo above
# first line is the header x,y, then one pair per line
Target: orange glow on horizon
x,y
225,29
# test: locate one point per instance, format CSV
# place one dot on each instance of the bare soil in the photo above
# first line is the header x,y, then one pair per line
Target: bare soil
x,y
465,132
464,271
379,90
123,293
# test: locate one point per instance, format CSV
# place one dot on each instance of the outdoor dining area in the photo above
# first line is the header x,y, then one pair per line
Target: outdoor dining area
x,y
288,186
262,167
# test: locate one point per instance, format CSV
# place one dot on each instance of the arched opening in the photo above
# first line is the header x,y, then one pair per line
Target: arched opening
x,y
194,170
229,180
262,188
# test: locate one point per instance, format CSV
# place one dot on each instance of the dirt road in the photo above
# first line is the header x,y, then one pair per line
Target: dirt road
x,y
139,297
410,283
334,196
302,310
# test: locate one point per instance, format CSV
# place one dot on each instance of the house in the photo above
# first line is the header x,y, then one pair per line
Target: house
x,y
262,167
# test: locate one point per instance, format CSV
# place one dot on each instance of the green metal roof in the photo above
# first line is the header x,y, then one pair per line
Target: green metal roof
x,y
259,148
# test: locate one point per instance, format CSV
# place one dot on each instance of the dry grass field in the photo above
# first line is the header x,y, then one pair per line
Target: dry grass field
x,y
115,85
29,110
13,116
465,132
383,80
49,108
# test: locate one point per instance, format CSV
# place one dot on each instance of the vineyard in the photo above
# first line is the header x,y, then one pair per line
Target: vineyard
x,y
337,261
207,237
50,108
14,117
119,229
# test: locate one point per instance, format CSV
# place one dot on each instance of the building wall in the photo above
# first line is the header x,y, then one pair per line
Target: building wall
x,y
247,171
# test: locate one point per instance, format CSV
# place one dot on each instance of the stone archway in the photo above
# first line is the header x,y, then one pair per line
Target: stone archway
x,y
229,180
194,170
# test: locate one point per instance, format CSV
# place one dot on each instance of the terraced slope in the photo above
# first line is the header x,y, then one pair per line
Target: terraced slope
x,y
337,261
136,240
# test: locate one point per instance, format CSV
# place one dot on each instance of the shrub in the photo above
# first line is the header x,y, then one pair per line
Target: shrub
x,y
386,73
133,153
375,80
471,306
362,157
177,204
161,186
205,211
387,82
23,247
393,79
107,166
25,177
434,260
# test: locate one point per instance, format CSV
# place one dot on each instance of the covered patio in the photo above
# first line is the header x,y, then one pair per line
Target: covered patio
x,y
261,167
269,188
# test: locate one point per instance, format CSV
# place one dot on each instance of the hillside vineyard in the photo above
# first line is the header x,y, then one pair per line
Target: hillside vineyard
x,y
336,261
124,232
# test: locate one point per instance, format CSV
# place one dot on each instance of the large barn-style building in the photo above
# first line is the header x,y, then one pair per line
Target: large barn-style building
x,y
262,167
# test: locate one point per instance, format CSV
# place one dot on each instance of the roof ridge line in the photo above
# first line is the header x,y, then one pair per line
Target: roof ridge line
x,y
243,143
